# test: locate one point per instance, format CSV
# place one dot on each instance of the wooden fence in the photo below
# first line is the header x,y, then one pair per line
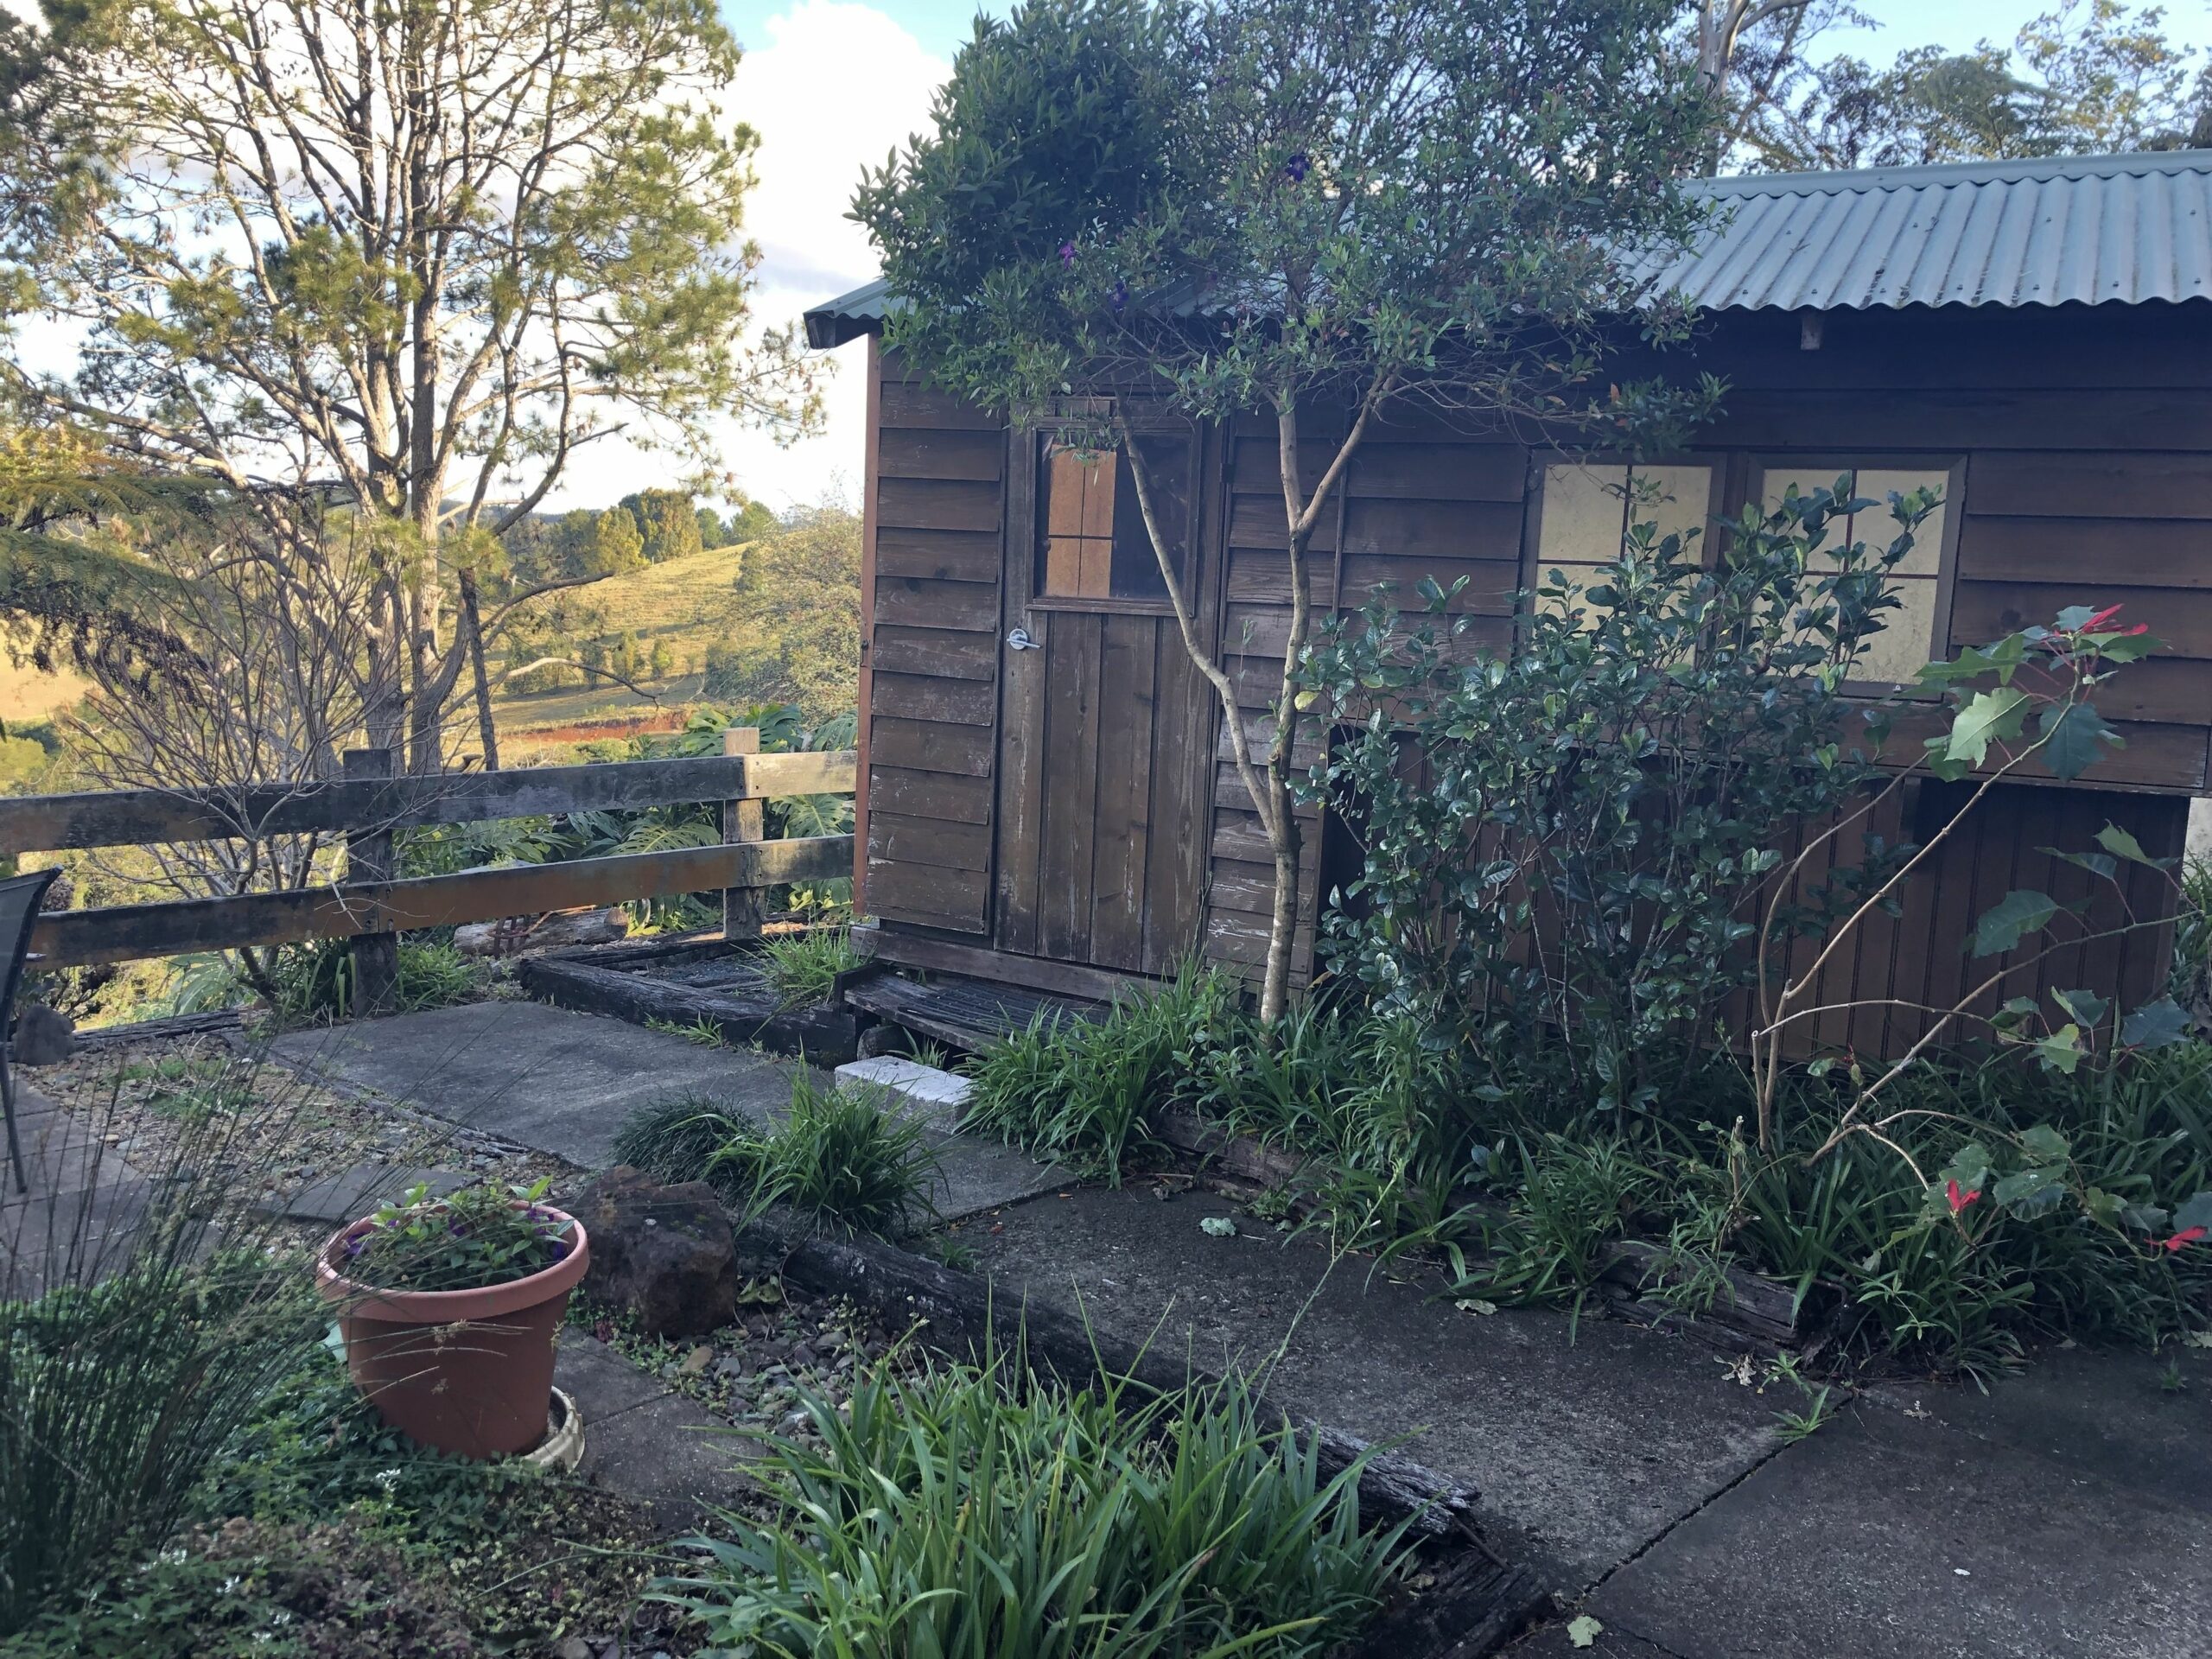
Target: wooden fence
x,y
368,805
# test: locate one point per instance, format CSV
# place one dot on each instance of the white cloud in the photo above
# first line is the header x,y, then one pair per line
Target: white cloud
x,y
831,88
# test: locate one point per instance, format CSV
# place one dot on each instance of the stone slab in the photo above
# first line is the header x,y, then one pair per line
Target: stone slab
x,y
354,1192
62,1156
2109,1414
1906,1537
543,1077
975,1174
934,1096
602,1383
667,1454
1587,1445
77,1237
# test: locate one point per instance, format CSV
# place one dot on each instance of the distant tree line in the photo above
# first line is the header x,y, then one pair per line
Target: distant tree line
x,y
2089,76
646,527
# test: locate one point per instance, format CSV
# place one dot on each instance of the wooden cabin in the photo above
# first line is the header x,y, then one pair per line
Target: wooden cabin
x,y
1045,800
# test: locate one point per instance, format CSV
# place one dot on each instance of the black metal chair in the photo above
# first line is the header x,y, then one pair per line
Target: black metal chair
x,y
20,898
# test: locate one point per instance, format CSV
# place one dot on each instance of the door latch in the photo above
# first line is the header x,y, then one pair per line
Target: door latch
x,y
1018,639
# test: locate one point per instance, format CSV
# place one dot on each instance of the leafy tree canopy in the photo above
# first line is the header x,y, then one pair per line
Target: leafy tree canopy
x,y
2091,77
409,256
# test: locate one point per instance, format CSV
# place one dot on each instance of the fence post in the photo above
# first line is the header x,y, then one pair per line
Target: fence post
x,y
742,820
369,858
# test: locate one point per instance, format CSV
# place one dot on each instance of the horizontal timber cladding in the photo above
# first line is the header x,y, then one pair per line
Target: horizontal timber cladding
x,y
938,499
2081,439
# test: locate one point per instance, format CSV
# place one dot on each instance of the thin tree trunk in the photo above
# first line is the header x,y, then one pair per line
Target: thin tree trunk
x,y
473,621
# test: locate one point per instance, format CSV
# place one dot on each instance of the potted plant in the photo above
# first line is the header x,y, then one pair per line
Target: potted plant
x,y
449,1309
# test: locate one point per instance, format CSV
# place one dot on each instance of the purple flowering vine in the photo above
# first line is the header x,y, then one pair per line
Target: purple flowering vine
x,y
1297,166
1067,254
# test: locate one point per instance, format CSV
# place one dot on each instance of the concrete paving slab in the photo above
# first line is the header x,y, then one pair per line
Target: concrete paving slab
x,y
666,1454
354,1192
1588,1448
62,1156
539,1076
1904,1537
975,1174
2110,1414
70,1237
603,1384
1552,1641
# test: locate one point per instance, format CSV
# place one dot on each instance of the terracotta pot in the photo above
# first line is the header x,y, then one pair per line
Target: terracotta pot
x,y
464,1371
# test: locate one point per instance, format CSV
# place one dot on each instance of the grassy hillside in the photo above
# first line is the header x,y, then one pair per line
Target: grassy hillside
x,y
26,694
688,603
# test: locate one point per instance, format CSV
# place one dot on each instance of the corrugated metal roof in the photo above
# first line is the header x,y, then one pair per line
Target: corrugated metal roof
x,y
2092,229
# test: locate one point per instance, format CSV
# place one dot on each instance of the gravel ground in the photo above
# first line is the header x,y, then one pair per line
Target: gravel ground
x,y
152,1101
750,1374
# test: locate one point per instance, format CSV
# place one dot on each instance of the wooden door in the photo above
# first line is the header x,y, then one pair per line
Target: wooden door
x,y
1106,729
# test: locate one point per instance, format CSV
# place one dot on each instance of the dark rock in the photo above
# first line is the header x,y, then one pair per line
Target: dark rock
x,y
665,1253
43,1036
881,1039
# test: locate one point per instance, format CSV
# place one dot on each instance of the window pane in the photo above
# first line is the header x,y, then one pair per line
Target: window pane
x,y
1677,500
1907,640
1875,527
1584,515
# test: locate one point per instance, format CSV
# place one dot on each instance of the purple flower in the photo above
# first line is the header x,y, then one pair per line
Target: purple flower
x,y
1121,295
354,1246
456,1229
1067,254
1297,166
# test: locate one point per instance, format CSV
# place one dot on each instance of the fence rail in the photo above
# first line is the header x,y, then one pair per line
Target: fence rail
x,y
366,810
132,818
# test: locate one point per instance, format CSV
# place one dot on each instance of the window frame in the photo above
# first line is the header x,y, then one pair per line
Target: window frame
x,y
1750,484
1540,462
1032,461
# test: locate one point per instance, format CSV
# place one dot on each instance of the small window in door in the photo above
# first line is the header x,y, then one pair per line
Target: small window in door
x,y
1094,544
1910,637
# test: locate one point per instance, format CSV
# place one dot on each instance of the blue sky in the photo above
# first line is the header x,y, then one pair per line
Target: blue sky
x,y
833,84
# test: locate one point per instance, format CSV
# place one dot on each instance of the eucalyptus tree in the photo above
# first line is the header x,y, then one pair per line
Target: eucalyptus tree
x,y
406,256
1335,212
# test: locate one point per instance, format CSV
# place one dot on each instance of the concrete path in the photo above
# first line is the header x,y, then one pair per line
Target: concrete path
x,y
562,1083
83,1205
2063,1514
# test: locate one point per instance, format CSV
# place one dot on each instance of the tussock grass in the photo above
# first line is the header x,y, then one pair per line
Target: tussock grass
x,y
975,1512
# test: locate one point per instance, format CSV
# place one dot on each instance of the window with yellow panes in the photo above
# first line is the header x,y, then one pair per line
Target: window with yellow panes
x,y
1910,635
1586,508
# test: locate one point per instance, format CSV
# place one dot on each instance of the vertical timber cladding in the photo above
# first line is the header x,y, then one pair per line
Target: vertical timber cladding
x,y
937,491
1419,501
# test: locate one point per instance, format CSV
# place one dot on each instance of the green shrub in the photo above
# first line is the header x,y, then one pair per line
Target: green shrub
x,y
840,1157
677,1140
290,1590
974,1513
484,1235
804,967
120,1394
1079,1090
314,981
1620,784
